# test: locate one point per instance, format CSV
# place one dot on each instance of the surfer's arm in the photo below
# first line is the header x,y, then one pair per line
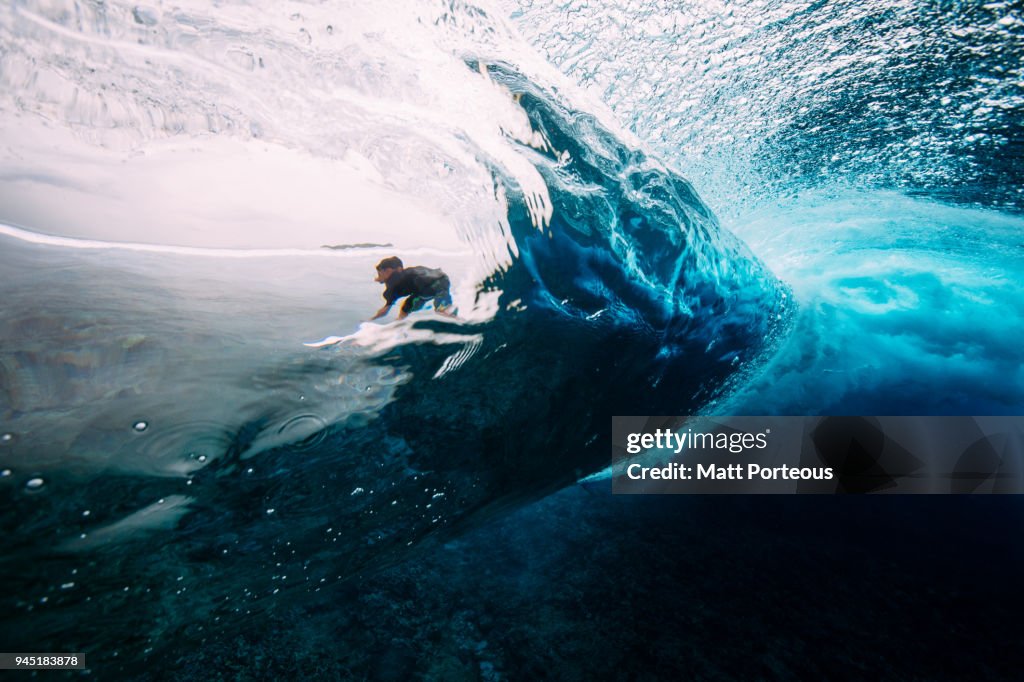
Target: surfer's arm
x,y
382,312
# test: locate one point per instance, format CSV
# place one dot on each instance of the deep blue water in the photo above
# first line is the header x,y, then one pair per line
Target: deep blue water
x,y
763,208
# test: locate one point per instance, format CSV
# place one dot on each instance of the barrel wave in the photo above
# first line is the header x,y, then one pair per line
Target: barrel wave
x,y
644,207
173,456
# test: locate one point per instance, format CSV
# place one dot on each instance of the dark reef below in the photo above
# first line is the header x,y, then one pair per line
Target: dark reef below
x,y
584,585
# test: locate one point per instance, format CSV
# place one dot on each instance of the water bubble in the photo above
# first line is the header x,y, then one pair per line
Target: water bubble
x,y
34,483
201,458
358,491
66,586
140,426
5,473
270,511
144,16
86,512
7,437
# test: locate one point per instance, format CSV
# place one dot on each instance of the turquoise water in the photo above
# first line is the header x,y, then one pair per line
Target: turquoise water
x,y
906,307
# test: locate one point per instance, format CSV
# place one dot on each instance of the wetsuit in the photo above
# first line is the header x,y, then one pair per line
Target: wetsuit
x,y
420,284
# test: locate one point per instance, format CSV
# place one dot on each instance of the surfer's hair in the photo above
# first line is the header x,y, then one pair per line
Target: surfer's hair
x,y
390,263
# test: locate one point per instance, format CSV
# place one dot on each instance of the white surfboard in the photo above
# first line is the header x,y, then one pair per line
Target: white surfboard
x,y
329,341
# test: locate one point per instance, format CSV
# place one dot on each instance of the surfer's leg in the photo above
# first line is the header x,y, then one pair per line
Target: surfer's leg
x,y
443,300
411,305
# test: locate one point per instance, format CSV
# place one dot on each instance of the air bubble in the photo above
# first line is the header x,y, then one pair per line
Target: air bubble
x,y
5,473
7,437
201,458
140,426
35,483
270,511
358,491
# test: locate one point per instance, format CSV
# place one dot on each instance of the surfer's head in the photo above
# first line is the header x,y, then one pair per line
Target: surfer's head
x,y
388,267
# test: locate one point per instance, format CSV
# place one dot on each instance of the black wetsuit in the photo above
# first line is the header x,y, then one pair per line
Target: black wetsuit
x,y
420,284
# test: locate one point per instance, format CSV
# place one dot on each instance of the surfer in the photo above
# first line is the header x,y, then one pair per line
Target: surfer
x,y
418,283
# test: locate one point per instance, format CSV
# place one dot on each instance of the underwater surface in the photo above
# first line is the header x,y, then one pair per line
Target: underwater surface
x,y
750,207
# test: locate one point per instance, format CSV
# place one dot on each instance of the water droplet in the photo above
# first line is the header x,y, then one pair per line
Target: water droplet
x,y
201,458
270,511
34,483
160,501
140,426
5,473
7,437
86,512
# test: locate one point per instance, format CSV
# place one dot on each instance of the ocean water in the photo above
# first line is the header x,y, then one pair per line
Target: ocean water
x,y
645,208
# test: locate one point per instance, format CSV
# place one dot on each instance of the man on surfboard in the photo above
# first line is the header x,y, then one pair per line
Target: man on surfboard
x,y
417,283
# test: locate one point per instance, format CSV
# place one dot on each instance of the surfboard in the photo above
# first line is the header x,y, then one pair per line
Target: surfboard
x,y
329,341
